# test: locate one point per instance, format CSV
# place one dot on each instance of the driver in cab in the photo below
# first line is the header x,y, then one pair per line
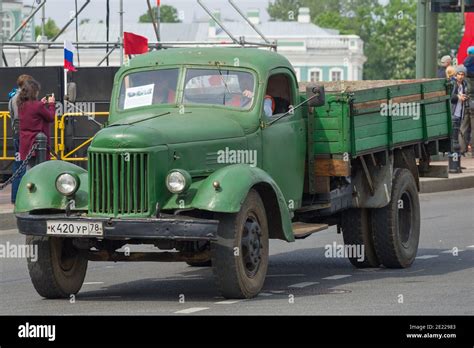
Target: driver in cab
x,y
246,98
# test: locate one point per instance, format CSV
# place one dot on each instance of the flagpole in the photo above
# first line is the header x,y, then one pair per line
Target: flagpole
x,y
65,83
121,32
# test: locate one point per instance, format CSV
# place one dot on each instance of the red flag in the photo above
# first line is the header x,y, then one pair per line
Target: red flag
x,y
134,44
468,39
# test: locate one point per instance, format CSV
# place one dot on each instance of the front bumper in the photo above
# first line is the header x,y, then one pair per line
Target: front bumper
x,y
167,227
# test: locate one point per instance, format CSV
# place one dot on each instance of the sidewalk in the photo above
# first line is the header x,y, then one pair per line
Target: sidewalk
x,y
427,185
7,219
454,182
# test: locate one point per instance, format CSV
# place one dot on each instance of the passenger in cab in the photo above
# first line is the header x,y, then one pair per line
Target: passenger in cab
x,y
164,92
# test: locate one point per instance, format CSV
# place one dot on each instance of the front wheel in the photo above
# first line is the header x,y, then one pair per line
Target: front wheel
x,y
240,255
59,269
397,226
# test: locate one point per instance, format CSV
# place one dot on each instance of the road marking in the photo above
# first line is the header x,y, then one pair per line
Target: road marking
x,y
450,251
286,275
228,302
93,283
8,232
471,246
302,285
425,257
192,310
264,294
337,276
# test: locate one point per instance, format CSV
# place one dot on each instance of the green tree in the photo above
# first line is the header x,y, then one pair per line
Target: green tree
x,y
392,49
450,33
283,10
50,29
168,14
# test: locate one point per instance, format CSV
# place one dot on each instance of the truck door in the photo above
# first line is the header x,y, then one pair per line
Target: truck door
x,y
284,142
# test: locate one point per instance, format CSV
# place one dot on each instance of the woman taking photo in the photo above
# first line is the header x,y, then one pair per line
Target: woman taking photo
x,y
35,117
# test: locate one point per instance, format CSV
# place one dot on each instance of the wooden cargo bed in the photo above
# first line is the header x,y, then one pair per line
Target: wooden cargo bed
x,y
363,117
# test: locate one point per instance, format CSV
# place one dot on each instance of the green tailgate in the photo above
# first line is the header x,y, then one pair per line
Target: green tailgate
x,y
353,122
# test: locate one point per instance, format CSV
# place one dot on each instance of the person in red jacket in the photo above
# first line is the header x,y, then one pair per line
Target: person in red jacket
x,y
35,117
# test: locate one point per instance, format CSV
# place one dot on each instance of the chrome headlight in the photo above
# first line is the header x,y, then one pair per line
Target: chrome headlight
x,y
178,181
67,184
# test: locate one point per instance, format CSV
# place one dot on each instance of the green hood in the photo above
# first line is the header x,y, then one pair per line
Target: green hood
x,y
169,129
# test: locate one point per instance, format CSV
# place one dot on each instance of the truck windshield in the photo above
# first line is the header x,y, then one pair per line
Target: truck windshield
x,y
219,87
148,88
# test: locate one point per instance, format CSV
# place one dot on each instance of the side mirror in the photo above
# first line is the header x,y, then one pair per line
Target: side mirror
x,y
71,92
316,96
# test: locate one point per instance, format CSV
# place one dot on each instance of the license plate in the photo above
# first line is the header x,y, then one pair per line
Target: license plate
x,y
68,228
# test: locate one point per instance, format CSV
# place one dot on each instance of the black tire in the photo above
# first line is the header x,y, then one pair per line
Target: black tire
x,y
356,228
240,255
59,270
397,226
207,263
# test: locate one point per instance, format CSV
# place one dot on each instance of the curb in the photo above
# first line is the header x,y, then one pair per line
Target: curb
x,y
428,185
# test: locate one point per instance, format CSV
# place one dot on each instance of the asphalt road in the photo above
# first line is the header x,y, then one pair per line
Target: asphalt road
x,y
300,281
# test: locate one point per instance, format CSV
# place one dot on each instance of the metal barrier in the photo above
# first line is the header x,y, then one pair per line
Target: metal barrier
x,y
5,119
59,136
60,148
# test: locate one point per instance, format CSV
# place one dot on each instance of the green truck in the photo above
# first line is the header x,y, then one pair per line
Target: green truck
x,y
211,152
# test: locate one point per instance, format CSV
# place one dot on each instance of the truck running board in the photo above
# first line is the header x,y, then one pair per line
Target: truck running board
x,y
302,230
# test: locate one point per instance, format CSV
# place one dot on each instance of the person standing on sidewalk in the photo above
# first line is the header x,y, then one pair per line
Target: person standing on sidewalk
x,y
35,117
467,126
459,100
15,122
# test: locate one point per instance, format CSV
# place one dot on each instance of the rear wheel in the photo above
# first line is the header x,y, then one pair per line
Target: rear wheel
x,y
397,226
240,255
357,232
59,270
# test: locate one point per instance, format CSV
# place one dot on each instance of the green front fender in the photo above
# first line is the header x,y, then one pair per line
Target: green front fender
x,y
235,182
44,194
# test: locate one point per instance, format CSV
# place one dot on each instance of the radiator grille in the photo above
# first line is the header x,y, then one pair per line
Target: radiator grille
x,y
118,183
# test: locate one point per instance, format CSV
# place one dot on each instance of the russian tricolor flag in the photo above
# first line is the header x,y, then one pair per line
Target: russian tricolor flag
x,y
69,56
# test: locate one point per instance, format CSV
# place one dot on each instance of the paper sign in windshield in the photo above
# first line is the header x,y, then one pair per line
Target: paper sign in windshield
x,y
139,96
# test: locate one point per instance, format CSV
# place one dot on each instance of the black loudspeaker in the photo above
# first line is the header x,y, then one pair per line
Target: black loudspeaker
x,y
50,78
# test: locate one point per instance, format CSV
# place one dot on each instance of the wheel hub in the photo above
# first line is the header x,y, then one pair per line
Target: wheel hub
x,y
251,246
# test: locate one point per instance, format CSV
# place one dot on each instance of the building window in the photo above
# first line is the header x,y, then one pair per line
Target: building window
x,y
315,75
7,24
336,74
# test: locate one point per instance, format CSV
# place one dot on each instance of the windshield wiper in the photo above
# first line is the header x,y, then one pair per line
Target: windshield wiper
x,y
223,80
145,119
